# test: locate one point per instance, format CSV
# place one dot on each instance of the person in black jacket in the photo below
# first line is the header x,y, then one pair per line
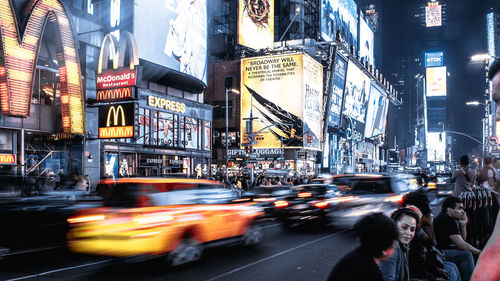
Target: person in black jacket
x,y
377,235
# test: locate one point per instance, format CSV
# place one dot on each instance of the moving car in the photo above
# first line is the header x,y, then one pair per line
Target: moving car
x,y
150,217
443,184
264,196
368,193
307,203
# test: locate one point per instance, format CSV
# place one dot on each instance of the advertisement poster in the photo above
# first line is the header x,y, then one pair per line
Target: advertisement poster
x,y
436,147
341,15
111,166
433,15
377,112
434,59
282,90
366,41
256,23
173,34
337,91
191,133
207,136
357,89
436,81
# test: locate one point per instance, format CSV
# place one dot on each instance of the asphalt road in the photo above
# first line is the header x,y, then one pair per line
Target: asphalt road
x,y
303,253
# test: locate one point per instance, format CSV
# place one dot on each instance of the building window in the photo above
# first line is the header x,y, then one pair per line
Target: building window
x,y
46,89
220,109
90,7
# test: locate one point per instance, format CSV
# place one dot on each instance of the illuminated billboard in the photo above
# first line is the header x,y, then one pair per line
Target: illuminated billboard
x,y
357,89
173,34
436,147
435,81
338,83
256,23
434,59
341,15
433,15
377,112
18,60
282,90
366,41
118,120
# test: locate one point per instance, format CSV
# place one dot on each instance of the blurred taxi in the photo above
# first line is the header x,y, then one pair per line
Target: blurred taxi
x,y
164,216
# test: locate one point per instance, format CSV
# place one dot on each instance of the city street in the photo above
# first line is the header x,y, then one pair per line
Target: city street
x,y
304,253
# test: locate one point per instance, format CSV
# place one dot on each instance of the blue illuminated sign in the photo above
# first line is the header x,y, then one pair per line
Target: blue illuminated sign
x,y
434,59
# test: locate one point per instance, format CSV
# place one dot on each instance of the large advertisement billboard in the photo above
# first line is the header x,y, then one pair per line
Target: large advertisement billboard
x,y
434,59
377,112
285,93
256,23
436,81
436,147
338,83
366,41
357,89
433,15
173,34
341,15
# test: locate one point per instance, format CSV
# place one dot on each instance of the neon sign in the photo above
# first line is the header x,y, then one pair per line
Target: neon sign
x,y
117,120
114,94
7,159
19,55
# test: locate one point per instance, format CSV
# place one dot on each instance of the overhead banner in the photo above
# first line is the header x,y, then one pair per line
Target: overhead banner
x,y
338,82
173,34
342,16
436,81
433,15
256,24
377,112
118,120
285,93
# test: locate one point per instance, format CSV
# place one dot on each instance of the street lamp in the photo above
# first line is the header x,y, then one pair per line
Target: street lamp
x,y
479,57
297,12
234,91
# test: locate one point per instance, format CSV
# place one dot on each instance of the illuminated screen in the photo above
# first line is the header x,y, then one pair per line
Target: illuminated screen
x,y
173,34
433,15
365,41
434,59
256,26
338,82
283,89
436,147
339,15
357,88
377,112
436,81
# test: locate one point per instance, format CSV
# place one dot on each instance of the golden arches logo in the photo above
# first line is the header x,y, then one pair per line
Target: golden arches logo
x,y
112,94
116,115
110,43
18,57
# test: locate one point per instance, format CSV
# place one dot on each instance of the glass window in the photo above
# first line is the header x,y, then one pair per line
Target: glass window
x,y
207,136
192,132
176,131
182,132
142,122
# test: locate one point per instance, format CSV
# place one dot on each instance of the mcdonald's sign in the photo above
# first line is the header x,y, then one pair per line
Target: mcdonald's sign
x,y
18,57
118,76
115,94
118,120
7,159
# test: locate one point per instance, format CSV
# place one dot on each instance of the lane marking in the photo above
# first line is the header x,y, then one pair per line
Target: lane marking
x,y
273,256
58,270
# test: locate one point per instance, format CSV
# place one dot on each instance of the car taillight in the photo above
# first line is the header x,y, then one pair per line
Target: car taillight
x,y
395,198
321,204
83,219
304,194
153,218
281,204
431,185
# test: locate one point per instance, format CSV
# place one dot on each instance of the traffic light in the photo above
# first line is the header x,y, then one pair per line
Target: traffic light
x,y
292,133
309,139
248,149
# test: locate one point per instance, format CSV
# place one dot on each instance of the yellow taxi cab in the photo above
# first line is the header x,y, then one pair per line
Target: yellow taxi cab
x,y
164,216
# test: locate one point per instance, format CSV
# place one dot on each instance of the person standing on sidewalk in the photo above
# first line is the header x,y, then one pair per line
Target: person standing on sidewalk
x,y
463,177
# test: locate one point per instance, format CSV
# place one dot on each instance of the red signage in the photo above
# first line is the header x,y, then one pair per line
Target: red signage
x,y
119,78
114,94
7,159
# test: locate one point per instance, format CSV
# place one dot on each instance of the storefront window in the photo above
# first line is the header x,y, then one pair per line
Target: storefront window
x,y
182,133
176,130
192,131
142,123
127,165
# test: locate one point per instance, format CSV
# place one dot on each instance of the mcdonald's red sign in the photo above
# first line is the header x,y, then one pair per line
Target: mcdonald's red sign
x,y
18,57
7,159
115,94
